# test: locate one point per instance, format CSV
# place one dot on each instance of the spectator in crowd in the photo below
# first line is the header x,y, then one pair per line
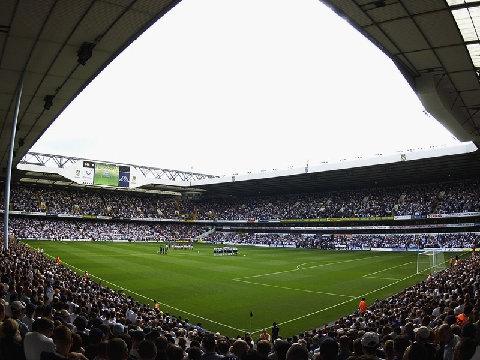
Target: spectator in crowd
x,y
429,304
328,350
417,200
388,350
11,345
344,351
117,349
208,343
39,339
370,342
448,341
297,352
280,348
147,350
400,345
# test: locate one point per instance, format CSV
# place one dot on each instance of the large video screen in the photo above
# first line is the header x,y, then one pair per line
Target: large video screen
x,y
106,174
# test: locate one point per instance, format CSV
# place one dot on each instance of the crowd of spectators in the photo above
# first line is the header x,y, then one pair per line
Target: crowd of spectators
x,y
438,198
50,312
33,228
73,229
351,241
408,241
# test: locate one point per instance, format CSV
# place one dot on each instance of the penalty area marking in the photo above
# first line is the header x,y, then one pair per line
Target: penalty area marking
x,y
306,268
151,300
293,289
243,279
369,275
379,278
339,304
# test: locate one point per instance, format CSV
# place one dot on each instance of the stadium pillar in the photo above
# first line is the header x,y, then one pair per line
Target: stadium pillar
x,y
10,159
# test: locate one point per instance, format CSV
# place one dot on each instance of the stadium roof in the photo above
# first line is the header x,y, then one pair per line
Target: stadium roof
x,y
51,41
415,166
436,46
434,43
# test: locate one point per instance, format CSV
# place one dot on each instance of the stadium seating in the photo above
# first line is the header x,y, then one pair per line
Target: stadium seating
x,y
438,198
34,286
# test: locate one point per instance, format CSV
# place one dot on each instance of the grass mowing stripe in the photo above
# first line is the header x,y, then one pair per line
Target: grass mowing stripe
x,y
310,267
344,302
147,298
295,289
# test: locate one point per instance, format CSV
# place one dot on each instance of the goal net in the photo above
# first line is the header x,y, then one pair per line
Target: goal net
x,y
430,261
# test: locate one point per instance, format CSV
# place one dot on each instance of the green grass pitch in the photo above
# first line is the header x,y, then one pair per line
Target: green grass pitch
x,y
300,289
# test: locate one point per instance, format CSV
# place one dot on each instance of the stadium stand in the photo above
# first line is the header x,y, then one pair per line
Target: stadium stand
x,y
437,318
430,210
70,304
426,319
414,200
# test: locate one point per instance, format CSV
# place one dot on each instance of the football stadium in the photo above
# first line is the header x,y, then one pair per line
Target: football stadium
x,y
370,258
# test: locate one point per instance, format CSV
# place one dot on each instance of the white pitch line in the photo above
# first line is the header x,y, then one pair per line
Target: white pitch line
x,y
388,285
147,298
316,312
298,266
292,289
390,268
342,303
379,278
310,267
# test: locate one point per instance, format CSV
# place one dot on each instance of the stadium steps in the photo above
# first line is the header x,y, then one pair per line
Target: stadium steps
x,y
206,233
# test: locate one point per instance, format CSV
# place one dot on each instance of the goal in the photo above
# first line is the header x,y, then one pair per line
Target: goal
x,y
430,261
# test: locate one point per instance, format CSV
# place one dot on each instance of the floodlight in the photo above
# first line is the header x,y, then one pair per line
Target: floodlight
x,y
48,99
85,52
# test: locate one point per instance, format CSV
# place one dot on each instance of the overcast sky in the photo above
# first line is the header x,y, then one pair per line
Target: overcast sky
x,y
231,86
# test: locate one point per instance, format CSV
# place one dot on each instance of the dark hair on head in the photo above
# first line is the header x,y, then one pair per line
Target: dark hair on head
x,y
419,351
297,352
357,347
465,349
194,353
9,327
208,342
174,352
117,349
105,329
62,335
77,343
42,324
195,343
127,338
161,342
469,330
251,355
147,349
400,344
223,346
264,347
154,334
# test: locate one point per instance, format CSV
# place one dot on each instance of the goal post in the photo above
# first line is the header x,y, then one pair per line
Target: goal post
x,y
430,261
